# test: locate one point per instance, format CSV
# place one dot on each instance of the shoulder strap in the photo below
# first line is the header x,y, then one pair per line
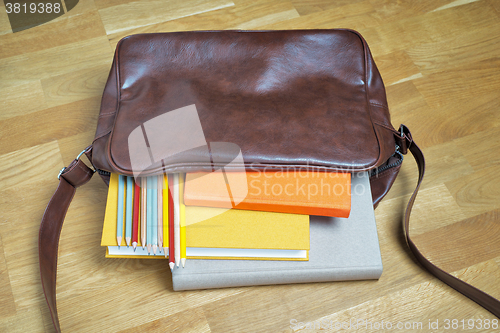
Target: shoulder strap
x,y
486,301
71,177
77,174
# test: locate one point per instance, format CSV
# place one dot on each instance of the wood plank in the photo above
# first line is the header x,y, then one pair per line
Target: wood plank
x,y
484,144
29,165
444,123
29,320
21,252
85,26
456,50
244,16
459,82
57,60
50,124
312,6
444,163
5,27
71,146
7,306
478,192
195,317
355,15
75,86
434,208
432,299
20,97
35,194
137,14
417,28
396,67
462,244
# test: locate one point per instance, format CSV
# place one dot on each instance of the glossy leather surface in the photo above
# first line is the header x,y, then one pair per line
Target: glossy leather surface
x,y
302,98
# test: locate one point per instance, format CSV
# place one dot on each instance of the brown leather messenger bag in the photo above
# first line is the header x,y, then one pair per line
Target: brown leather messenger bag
x,y
310,99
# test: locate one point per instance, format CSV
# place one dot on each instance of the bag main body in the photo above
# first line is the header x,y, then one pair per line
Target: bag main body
x,y
309,99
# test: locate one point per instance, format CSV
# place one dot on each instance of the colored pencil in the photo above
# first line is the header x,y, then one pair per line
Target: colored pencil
x,y
149,214
129,210
165,215
160,213
182,219
171,243
154,210
135,220
143,211
177,229
119,215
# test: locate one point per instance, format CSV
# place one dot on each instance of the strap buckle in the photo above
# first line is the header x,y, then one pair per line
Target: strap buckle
x,y
403,139
61,172
77,158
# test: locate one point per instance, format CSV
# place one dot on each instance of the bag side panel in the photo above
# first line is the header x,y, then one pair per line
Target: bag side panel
x,y
380,183
107,115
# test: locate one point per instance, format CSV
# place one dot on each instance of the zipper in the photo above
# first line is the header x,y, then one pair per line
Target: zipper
x,y
373,172
381,169
102,172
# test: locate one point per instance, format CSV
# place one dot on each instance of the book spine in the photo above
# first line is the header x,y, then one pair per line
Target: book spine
x,y
209,280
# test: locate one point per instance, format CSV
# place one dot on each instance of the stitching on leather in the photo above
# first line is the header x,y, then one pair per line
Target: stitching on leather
x,y
107,114
381,105
84,170
100,136
386,127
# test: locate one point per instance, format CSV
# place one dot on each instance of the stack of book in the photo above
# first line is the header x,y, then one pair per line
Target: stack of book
x,y
224,229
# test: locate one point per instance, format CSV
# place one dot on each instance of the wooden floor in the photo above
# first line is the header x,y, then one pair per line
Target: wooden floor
x,y
440,62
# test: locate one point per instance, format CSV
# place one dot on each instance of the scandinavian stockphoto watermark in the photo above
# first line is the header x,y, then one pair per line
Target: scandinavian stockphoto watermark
x,y
402,326
176,138
354,324
297,182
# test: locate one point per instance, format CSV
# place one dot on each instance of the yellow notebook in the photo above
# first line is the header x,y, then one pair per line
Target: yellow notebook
x,y
217,233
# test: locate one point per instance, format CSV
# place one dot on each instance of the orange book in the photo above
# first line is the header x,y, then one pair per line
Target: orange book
x,y
287,191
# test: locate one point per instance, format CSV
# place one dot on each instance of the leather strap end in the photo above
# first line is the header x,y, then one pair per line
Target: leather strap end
x,y
403,139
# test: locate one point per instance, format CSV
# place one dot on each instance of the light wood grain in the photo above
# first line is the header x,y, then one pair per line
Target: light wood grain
x,y
20,97
439,60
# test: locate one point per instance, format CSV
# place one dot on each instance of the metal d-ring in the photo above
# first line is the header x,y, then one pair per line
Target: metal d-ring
x,y
77,158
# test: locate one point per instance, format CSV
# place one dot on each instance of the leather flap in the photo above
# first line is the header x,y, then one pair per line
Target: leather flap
x,y
187,101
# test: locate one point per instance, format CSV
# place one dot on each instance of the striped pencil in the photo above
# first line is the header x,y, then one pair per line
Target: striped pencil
x,y
182,221
171,243
129,210
143,211
154,211
135,222
165,216
177,229
160,213
119,215
149,214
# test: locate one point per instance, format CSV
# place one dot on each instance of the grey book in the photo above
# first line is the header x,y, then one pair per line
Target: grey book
x,y
340,249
